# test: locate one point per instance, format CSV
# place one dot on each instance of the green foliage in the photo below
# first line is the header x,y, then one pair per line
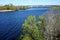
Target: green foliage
x,y
31,27
26,37
41,21
12,7
23,7
41,25
8,7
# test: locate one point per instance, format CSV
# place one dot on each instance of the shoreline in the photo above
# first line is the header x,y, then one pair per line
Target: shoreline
x,y
7,10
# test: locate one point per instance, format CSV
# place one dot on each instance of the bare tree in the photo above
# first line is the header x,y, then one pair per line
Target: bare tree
x,y
52,28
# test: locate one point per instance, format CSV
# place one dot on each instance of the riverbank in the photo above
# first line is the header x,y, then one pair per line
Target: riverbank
x,y
6,10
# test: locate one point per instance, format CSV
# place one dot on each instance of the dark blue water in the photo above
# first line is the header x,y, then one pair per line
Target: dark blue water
x,y
11,22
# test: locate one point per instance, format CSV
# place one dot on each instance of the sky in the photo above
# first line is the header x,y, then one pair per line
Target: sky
x,y
30,2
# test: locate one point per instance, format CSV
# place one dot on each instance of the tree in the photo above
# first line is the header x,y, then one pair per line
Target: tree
x,y
9,7
30,27
57,24
52,28
41,25
26,37
49,28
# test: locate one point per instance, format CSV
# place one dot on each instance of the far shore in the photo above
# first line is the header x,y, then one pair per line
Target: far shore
x,y
6,10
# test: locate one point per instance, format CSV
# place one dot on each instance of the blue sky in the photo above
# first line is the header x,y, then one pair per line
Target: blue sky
x,y
30,2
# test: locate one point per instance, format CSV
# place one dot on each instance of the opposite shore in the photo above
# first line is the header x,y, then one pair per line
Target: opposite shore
x,y
11,7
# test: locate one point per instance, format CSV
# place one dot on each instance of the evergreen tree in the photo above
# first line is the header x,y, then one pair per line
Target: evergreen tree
x,y
31,27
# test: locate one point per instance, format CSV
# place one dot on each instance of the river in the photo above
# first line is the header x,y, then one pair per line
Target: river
x,y
11,22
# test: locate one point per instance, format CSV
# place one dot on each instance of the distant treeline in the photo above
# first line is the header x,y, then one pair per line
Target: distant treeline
x,y
13,7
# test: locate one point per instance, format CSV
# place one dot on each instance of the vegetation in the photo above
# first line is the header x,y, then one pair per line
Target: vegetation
x,y
52,28
45,28
55,8
24,7
26,37
8,7
12,7
33,28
